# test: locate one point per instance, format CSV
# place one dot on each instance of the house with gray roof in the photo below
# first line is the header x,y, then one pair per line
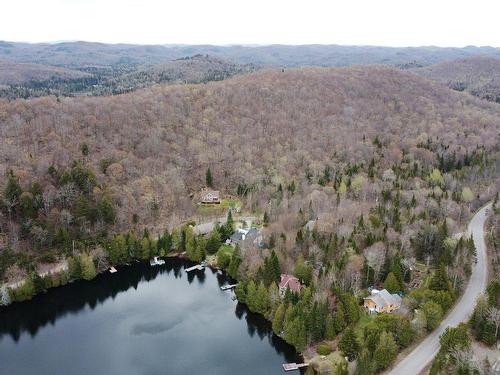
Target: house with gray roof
x,y
382,301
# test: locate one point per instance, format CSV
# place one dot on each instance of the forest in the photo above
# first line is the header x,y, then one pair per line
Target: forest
x,y
387,166
33,80
479,76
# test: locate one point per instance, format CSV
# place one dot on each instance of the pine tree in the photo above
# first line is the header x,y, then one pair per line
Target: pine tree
x,y
329,327
106,211
13,190
339,318
439,280
278,318
87,266
234,264
349,344
251,298
145,248
274,265
209,179
386,350
391,283
214,242
266,219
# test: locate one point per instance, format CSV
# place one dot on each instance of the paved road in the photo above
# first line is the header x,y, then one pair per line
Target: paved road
x,y
423,354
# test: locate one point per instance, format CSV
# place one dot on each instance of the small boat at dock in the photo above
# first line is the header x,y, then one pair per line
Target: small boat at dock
x,y
113,270
227,287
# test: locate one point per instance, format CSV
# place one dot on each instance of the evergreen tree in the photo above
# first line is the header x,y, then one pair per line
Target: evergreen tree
x,y
106,211
84,148
339,320
234,264
391,283
386,351
209,179
74,268
278,318
13,190
213,242
349,344
439,280
433,314
144,248
266,219
87,266
329,327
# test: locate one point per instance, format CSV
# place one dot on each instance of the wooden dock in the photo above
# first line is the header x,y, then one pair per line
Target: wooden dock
x,y
294,366
198,267
227,287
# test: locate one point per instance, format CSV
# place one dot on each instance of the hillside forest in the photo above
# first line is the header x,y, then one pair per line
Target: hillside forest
x,y
386,166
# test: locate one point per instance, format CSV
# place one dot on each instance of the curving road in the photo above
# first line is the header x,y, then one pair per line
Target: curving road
x,y
423,354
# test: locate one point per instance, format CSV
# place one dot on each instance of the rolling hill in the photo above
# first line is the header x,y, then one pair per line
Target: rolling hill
x,y
12,73
256,130
86,54
479,76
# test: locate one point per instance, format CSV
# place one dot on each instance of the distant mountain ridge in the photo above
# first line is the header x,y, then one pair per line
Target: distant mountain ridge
x,y
82,54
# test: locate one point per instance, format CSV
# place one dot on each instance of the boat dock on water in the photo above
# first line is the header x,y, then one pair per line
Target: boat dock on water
x,y
294,366
198,267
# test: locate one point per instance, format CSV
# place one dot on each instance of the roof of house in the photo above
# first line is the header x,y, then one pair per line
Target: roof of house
x,y
310,225
290,282
214,193
243,234
383,297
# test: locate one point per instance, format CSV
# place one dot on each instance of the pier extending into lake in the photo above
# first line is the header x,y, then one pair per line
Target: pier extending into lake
x,y
198,267
294,366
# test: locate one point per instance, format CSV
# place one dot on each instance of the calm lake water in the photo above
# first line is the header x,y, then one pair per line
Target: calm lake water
x,y
141,320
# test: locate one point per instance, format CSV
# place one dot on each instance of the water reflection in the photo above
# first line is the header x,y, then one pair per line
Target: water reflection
x,y
136,317
46,308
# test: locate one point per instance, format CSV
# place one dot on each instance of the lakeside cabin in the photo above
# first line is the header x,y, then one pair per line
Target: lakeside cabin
x,y
381,301
209,196
289,282
251,235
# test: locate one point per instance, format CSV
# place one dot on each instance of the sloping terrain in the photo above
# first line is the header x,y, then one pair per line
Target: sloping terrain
x,y
479,76
12,73
111,80
257,130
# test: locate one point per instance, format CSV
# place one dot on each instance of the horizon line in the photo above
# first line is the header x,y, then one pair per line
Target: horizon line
x,y
249,45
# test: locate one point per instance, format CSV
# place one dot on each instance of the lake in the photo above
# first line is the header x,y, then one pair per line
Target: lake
x,y
141,320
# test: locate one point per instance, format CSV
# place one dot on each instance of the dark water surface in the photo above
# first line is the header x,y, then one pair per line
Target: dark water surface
x,y
141,320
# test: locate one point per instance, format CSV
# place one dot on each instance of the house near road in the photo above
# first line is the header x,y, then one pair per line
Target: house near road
x,y
289,282
251,235
210,196
382,301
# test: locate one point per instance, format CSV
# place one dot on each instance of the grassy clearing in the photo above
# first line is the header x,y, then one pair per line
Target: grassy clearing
x,y
211,209
361,324
327,364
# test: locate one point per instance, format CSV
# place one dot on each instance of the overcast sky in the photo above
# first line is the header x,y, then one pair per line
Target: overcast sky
x,y
368,22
